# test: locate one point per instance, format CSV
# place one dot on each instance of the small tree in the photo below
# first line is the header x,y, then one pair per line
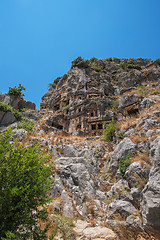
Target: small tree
x,y
16,91
109,131
24,183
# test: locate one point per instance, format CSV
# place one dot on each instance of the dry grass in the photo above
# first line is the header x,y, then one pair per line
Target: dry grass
x,y
137,139
142,158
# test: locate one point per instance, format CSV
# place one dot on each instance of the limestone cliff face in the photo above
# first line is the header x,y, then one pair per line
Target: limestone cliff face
x,y
83,99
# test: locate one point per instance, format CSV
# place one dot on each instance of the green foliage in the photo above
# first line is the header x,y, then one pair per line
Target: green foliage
x,y
158,61
80,63
53,85
124,163
24,184
16,91
114,105
26,124
94,67
119,135
93,59
5,107
126,65
17,114
62,225
108,59
65,108
134,66
109,131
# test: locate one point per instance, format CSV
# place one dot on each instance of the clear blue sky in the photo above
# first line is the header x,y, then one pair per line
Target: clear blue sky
x,y
40,38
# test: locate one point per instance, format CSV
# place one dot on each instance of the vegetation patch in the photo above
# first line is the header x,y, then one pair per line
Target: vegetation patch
x,y
26,124
16,91
24,184
109,131
124,163
5,107
80,63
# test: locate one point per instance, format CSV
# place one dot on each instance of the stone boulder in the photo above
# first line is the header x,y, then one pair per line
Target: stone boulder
x,y
135,174
84,231
6,118
127,100
146,102
123,148
123,208
150,203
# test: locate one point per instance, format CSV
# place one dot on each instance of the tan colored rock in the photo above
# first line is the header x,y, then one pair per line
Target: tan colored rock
x,y
96,233
99,233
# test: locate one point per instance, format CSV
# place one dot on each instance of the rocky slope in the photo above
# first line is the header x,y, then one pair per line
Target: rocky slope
x,y
110,188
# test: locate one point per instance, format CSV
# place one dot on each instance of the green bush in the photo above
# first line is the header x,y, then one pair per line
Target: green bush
x,y
80,63
26,124
134,66
124,163
16,91
24,184
114,105
108,59
5,107
158,61
17,114
109,131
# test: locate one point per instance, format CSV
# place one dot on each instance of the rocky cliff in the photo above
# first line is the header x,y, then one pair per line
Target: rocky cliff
x,y
110,188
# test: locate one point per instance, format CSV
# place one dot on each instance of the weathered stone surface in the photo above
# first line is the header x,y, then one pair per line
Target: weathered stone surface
x,y
135,172
68,206
26,104
146,102
82,228
134,222
127,100
150,204
123,148
99,233
69,151
31,114
155,152
6,118
19,133
123,208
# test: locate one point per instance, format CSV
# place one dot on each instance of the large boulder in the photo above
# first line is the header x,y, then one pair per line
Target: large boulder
x,y
6,118
127,100
150,203
123,148
122,208
136,174
85,231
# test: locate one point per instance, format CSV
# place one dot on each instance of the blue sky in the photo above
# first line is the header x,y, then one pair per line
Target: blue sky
x,y
40,38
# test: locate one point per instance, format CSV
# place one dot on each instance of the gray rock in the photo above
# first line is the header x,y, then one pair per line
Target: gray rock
x,y
134,173
121,207
19,133
7,118
31,114
69,151
146,102
134,222
155,153
117,189
147,122
150,204
123,148
127,100
68,206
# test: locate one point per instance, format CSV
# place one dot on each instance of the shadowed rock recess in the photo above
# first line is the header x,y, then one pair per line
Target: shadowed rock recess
x,y
100,123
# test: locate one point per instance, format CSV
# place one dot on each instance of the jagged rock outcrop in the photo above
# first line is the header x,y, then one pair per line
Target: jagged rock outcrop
x,y
15,102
